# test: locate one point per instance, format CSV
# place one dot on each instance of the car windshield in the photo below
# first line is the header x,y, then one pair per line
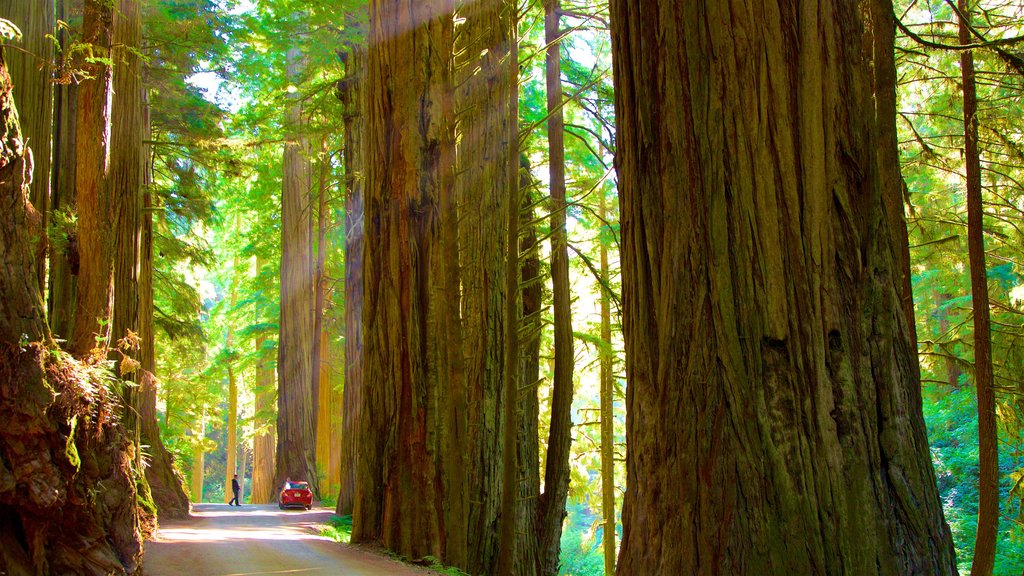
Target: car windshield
x,y
298,485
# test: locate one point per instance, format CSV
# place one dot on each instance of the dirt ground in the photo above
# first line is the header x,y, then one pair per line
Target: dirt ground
x,y
259,540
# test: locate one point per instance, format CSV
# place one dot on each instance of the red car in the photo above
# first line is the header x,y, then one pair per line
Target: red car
x,y
295,495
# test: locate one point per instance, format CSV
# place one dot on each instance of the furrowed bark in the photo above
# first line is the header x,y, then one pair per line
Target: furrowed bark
x,y
773,409
92,196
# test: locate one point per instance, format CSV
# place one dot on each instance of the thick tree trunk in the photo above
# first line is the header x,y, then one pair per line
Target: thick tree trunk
x,y
483,194
92,195
352,94
407,498
773,412
63,277
58,440
295,417
165,482
607,407
265,438
556,469
124,186
988,433
33,95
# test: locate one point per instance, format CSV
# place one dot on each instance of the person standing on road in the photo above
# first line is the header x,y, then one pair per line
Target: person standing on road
x,y
234,490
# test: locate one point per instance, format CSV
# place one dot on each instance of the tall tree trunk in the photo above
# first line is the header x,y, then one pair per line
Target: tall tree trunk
x,y
406,498
33,94
124,190
529,405
52,448
607,405
352,94
95,206
231,466
165,482
988,433
295,417
881,25
319,290
510,394
556,470
64,259
325,411
773,413
198,458
231,453
264,439
483,193
322,408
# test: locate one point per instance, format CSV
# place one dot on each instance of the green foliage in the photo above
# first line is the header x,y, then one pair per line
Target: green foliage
x,y
338,528
580,553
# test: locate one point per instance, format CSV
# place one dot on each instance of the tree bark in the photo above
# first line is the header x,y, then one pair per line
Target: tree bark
x,y
264,440
198,459
63,278
165,482
406,498
773,412
556,469
607,406
352,94
93,198
231,466
483,195
988,432
33,94
58,440
124,187
507,521
296,457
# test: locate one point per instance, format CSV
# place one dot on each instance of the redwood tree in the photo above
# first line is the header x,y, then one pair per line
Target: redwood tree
x,y
33,94
485,58
295,418
92,164
58,441
352,94
773,412
408,494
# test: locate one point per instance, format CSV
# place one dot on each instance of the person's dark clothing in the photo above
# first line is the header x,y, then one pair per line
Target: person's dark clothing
x,y
234,490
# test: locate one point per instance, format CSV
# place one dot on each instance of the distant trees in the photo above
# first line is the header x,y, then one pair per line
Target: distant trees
x,y
773,401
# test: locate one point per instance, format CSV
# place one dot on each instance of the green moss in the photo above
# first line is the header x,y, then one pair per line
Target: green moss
x,y
144,496
70,450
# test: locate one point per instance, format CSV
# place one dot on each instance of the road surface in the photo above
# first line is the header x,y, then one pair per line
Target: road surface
x,y
259,540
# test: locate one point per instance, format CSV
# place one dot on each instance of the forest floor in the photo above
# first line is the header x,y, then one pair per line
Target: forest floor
x,y
250,540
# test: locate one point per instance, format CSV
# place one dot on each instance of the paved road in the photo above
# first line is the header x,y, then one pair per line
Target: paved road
x,y
259,540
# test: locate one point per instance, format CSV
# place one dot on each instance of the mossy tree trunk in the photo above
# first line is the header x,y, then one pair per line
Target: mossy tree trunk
x,y
33,95
60,442
165,482
773,408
